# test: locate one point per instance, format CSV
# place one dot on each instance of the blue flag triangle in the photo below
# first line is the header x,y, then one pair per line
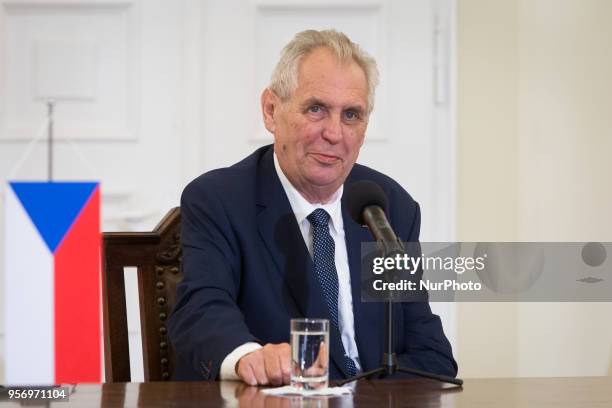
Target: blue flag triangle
x,y
53,207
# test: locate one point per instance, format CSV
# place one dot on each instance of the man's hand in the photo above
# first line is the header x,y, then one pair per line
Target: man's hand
x,y
270,364
319,367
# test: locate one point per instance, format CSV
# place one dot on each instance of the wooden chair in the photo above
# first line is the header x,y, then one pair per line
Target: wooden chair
x,y
157,257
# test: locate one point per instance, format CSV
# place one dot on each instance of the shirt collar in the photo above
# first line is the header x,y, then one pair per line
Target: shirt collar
x,y
302,208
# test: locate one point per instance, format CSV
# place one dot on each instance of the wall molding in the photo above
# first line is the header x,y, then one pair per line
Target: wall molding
x,y
75,64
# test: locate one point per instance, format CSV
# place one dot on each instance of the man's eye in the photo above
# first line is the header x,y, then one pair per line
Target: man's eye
x,y
314,109
351,115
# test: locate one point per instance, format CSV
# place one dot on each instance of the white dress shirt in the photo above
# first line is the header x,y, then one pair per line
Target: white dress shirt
x,y
301,209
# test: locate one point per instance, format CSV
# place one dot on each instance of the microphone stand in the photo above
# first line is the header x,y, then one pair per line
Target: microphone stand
x,y
389,365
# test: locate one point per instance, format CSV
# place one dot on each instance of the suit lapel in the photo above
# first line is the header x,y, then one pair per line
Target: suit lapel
x,y
281,236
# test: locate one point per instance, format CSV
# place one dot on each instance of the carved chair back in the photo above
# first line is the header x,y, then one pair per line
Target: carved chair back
x,y
156,255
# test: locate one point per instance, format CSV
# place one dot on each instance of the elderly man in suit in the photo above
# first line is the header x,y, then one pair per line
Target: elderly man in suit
x,y
250,231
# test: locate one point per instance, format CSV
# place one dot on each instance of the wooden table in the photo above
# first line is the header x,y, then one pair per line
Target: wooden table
x,y
585,392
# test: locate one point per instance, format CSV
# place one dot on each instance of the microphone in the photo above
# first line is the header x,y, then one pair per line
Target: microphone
x,y
367,204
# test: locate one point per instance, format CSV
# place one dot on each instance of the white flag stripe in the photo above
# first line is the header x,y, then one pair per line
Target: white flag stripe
x,y
29,304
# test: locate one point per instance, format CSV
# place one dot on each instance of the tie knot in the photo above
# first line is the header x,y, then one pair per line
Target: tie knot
x,y
319,218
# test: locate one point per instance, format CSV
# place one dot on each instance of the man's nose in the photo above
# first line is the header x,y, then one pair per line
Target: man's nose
x,y
332,132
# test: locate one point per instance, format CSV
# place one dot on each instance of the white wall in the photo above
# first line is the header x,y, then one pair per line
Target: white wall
x,y
535,132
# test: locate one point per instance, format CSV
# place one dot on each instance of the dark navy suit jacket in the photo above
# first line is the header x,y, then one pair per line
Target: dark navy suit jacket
x,y
247,272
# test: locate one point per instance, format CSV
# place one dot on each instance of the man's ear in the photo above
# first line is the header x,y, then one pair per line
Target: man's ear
x,y
269,105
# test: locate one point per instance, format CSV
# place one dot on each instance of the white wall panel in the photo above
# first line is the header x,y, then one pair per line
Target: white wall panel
x,y
81,53
64,70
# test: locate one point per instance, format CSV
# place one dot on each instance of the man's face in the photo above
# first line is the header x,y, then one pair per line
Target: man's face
x,y
319,130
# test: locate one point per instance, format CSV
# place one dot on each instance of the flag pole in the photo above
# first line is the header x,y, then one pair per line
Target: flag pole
x,y
50,106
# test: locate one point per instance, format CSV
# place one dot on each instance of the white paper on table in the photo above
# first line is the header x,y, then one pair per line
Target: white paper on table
x,y
289,390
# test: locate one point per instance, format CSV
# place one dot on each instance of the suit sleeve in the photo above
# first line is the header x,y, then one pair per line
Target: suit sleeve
x,y
206,324
425,346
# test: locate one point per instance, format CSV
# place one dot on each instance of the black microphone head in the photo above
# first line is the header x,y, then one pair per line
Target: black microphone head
x,y
361,194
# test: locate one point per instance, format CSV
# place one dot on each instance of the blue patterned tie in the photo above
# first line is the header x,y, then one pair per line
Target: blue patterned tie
x,y
323,251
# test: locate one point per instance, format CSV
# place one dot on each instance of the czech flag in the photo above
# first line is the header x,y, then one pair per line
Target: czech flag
x,y
52,283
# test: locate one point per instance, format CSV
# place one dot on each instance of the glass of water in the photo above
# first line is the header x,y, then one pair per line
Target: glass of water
x,y
309,353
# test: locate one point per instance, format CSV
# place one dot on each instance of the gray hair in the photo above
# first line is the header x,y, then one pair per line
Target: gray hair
x,y
284,77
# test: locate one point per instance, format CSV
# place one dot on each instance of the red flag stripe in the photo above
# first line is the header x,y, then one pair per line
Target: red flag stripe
x,y
77,298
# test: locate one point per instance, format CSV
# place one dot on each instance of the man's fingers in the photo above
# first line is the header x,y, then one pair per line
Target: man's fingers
x,y
319,366
278,363
268,365
322,358
251,368
272,364
258,367
245,372
286,369
285,362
